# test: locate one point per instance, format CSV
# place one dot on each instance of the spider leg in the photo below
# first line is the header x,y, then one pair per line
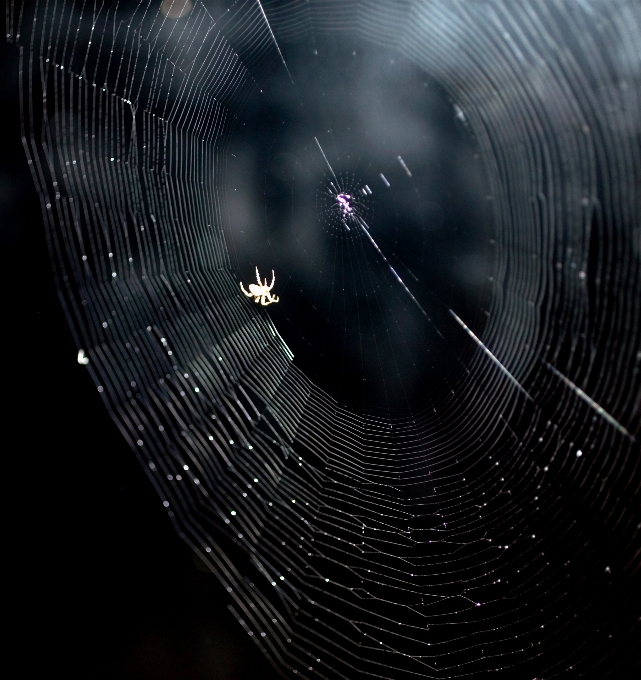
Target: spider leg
x,y
244,291
273,280
262,301
260,283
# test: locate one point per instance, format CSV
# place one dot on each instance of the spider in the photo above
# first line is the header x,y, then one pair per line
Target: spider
x,y
260,292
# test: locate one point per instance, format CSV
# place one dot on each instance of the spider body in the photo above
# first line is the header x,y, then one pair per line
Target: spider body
x,y
261,292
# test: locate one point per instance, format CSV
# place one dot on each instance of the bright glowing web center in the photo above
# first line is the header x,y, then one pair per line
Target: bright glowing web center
x,y
343,201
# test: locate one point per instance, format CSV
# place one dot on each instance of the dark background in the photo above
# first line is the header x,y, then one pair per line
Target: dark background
x,y
102,585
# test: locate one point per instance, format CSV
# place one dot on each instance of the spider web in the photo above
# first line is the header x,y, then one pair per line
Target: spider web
x,y
385,489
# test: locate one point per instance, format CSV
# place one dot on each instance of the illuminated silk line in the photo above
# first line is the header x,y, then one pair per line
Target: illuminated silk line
x,y
588,400
275,42
361,223
487,351
320,148
404,166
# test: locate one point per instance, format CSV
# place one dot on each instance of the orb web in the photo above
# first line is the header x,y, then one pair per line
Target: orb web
x,y
446,494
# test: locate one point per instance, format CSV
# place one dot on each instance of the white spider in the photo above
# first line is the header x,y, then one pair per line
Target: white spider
x,y
260,292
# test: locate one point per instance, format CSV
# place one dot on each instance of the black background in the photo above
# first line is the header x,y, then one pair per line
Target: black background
x,y
101,583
